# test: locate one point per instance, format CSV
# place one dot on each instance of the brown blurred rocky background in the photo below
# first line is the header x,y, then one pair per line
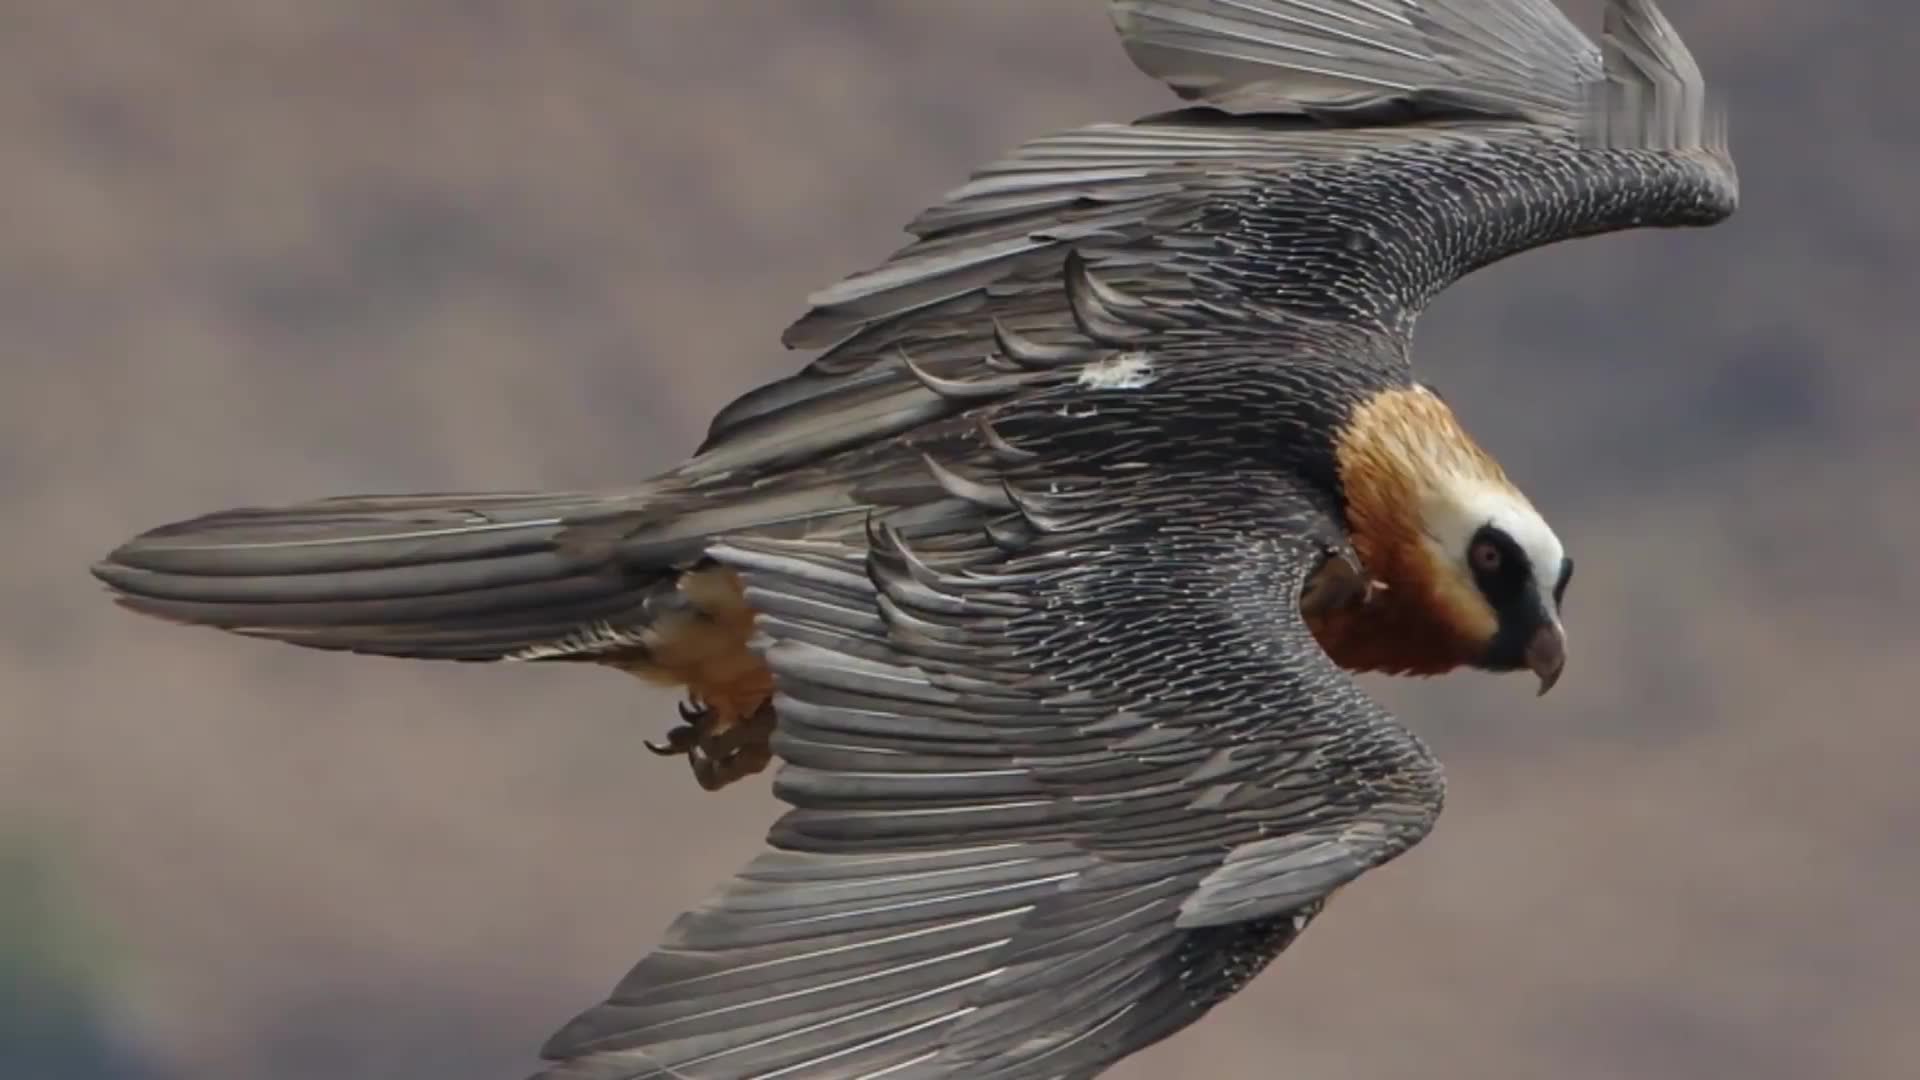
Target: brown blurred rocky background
x,y
261,250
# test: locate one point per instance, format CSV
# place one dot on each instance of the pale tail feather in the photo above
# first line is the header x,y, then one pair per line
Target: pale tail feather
x,y
466,577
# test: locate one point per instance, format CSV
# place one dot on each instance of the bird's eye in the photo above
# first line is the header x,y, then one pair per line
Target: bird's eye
x,y
1486,557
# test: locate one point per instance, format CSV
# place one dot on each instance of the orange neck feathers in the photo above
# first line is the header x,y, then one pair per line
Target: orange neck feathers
x,y
1401,456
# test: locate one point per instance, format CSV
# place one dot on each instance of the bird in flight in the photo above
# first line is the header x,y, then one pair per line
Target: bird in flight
x,y
1043,581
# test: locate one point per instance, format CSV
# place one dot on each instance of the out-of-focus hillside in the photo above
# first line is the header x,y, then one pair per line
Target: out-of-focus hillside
x,y
258,250
55,1019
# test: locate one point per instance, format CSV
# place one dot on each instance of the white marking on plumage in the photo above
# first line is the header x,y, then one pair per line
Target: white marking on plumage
x,y
595,639
1122,371
1455,514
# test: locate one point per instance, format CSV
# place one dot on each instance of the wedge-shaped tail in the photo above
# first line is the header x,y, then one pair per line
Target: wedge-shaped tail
x,y
466,577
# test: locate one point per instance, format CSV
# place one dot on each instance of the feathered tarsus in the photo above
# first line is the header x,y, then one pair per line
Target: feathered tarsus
x,y
1044,578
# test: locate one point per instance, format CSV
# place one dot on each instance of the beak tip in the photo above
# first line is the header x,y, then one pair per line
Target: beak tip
x,y
1547,656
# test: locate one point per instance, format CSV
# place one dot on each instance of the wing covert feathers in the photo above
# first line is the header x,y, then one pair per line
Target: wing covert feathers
x,y
1064,771
1343,162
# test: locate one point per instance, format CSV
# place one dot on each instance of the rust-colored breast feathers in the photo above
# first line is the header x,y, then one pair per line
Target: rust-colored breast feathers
x,y
1398,452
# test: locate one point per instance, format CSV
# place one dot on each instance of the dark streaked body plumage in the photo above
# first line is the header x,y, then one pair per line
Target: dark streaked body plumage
x,y
1041,578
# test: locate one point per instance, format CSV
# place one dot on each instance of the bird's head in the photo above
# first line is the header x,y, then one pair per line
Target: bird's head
x,y
1473,576
1499,575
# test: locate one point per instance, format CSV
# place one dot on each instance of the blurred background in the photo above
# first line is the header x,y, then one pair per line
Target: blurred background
x,y
258,251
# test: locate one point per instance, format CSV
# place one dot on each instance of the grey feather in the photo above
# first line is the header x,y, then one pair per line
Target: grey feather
x,y
1519,58
460,577
1001,861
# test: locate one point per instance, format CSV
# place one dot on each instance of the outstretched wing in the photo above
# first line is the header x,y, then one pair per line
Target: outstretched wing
x,y
1343,161
1066,767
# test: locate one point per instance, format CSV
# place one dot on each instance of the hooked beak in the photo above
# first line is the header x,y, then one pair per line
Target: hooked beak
x,y
1547,654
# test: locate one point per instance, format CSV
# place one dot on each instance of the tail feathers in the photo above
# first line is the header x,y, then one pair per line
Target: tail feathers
x,y
468,577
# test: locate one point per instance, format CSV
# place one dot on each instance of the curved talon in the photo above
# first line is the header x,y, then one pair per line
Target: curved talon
x,y
680,740
720,757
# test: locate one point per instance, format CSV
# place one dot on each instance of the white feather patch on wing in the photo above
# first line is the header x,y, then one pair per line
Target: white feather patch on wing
x,y
1123,371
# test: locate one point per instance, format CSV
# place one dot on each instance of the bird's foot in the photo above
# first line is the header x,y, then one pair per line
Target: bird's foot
x,y
1340,583
719,744
682,738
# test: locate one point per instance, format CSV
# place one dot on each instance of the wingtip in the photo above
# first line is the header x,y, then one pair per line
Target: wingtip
x,y
1358,58
1651,94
